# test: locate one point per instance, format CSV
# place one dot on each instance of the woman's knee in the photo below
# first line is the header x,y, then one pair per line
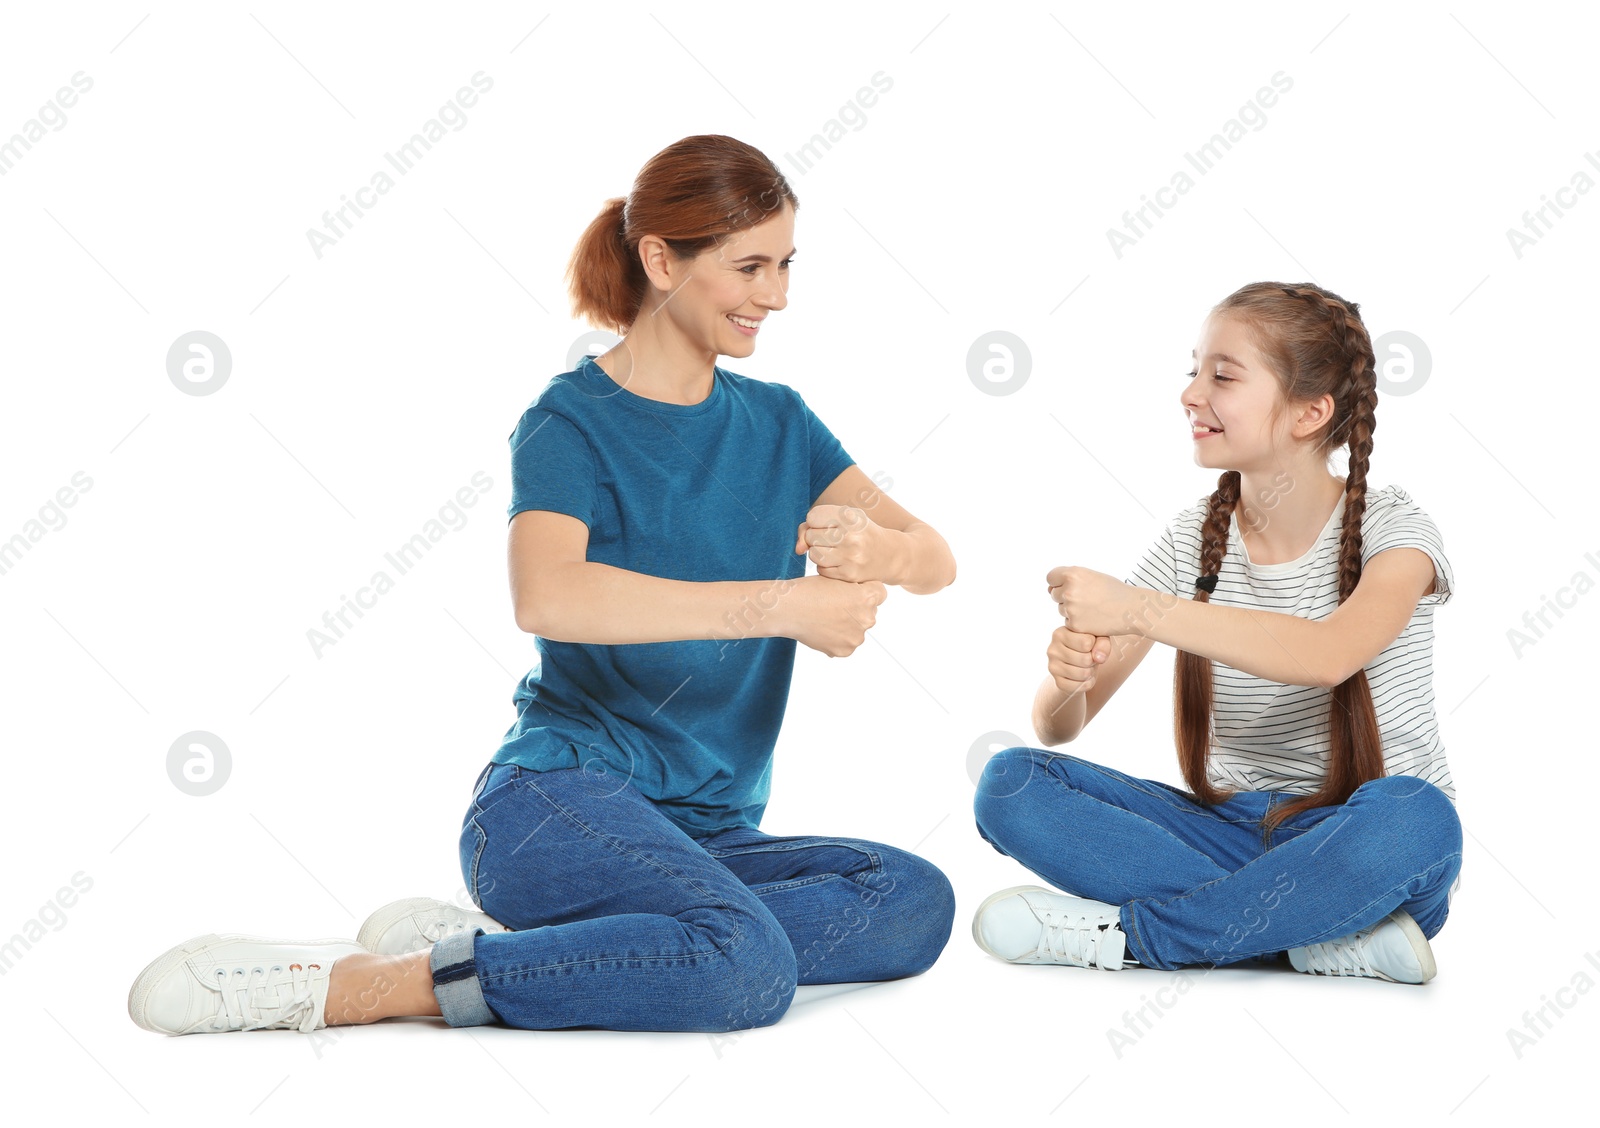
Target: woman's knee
x,y
750,982
919,904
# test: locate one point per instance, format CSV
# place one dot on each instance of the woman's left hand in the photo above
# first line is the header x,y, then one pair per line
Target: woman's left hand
x,y
846,544
1094,603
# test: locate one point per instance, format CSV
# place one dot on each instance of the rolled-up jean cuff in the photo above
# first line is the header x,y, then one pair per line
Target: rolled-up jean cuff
x,y
455,981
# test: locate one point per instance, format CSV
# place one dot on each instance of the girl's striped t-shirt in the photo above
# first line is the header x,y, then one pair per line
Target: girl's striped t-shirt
x,y
1267,736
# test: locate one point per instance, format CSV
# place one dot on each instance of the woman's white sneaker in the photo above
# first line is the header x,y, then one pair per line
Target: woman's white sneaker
x,y
1394,949
419,922
1028,924
215,984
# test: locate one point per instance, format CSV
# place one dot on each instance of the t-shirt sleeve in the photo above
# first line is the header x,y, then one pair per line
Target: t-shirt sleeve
x,y
1403,524
828,457
1158,570
552,467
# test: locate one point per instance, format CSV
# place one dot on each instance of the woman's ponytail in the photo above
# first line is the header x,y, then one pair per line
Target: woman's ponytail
x,y
605,278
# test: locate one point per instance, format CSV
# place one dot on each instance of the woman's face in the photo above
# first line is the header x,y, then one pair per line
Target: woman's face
x,y
1231,388
728,289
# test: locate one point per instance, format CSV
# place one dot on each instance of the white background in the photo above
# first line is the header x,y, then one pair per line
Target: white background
x,y
370,384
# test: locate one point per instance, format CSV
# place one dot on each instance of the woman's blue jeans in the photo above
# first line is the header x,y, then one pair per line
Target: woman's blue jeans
x,y
623,921
1196,884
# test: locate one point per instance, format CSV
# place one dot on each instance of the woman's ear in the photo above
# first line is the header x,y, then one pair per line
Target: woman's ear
x,y
661,266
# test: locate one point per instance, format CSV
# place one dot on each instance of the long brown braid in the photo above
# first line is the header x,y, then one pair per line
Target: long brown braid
x,y
1315,342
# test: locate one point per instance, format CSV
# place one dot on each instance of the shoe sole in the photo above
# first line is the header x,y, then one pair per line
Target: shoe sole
x,y
1419,943
160,967
1419,946
977,934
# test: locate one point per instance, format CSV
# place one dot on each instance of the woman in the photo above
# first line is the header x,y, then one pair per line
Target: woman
x,y
662,510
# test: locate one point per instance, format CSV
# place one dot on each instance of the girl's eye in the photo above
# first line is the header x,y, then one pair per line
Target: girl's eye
x,y
1214,376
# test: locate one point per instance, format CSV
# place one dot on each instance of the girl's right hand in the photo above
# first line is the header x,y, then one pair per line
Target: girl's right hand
x,y
1073,658
830,615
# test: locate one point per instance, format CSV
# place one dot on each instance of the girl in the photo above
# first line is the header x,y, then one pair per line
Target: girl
x,y
612,840
1320,817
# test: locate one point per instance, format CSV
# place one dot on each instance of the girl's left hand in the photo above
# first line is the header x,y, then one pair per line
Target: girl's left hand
x,y
846,544
1094,603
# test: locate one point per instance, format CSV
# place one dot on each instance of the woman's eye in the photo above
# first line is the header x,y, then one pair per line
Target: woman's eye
x,y
784,265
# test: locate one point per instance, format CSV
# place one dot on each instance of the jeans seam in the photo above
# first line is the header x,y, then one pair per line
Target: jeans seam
x,y
1166,797
1341,928
857,845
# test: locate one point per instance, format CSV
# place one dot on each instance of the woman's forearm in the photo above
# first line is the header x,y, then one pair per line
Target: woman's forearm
x,y
597,603
923,563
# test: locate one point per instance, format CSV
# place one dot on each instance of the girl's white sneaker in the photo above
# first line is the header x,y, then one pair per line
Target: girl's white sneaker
x,y
1028,924
419,922
214,984
1394,949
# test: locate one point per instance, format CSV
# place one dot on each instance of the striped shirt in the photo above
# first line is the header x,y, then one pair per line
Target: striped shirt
x,y
1267,736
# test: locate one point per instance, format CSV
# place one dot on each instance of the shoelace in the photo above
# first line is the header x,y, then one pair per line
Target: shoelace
x,y
260,998
1069,937
1344,956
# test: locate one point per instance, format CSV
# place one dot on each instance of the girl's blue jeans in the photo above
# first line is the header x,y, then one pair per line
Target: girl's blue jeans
x,y
1196,884
623,921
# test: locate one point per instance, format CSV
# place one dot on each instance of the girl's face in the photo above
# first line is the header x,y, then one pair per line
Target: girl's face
x,y
727,290
1232,389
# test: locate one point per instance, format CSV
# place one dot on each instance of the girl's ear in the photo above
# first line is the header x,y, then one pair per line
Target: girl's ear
x,y
1313,416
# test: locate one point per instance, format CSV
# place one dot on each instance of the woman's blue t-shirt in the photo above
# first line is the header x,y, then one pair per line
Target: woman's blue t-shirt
x,y
702,492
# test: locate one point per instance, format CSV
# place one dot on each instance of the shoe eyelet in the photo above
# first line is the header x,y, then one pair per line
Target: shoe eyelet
x,y
316,967
295,967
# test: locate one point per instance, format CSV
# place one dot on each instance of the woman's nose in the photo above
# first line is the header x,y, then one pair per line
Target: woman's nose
x,y
775,296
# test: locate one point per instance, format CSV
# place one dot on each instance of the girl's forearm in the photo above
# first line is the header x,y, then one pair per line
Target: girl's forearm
x,y
1058,718
597,603
1266,644
923,562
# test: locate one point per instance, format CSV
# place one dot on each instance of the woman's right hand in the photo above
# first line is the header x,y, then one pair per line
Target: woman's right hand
x,y
1072,659
830,615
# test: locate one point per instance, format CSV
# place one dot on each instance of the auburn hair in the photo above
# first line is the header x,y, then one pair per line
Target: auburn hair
x,y
693,194
1315,343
